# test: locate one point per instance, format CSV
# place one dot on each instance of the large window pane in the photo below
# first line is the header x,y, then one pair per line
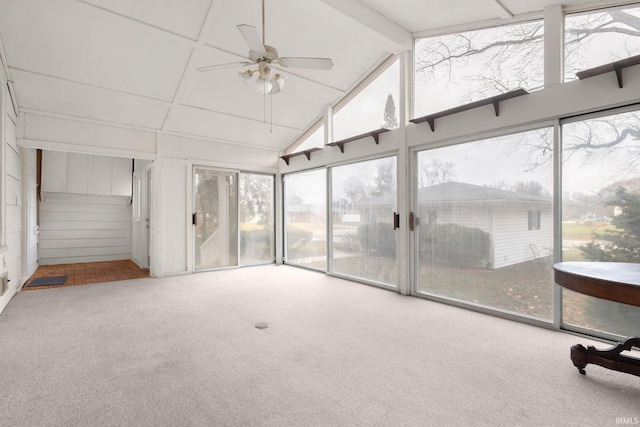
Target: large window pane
x,y
256,218
373,108
363,203
314,140
459,68
601,211
600,37
216,218
306,218
485,223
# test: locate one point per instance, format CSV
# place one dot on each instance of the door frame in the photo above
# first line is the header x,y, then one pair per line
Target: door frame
x,y
228,172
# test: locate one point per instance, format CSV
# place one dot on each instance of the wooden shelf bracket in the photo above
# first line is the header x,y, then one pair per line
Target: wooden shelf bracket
x,y
494,100
375,134
306,153
616,66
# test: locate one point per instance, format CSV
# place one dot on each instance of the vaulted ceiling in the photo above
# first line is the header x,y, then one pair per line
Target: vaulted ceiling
x,y
133,63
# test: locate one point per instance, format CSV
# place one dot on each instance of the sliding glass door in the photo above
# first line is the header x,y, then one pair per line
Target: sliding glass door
x,y
256,218
484,226
233,218
305,218
600,212
363,236
215,218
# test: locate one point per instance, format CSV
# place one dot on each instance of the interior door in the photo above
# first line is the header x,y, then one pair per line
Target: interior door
x,y
147,213
31,198
215,219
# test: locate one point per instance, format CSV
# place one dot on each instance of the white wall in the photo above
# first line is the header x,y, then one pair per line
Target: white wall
x,y
11,196
84,228
61,134
85,208
169,218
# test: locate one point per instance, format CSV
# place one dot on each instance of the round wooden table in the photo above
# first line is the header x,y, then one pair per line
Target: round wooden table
x,y
613,281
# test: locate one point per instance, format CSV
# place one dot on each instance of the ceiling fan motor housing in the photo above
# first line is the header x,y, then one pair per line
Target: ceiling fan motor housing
x,y
266,71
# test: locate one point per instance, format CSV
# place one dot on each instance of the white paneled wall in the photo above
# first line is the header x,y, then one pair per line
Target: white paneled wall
x,y
84,228
77,173
85,208
11,197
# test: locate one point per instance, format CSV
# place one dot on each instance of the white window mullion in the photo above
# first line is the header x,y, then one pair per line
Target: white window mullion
x,y
553,45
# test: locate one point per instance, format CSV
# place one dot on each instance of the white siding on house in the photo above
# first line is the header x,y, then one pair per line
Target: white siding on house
x,y
512,236
467,215
84,228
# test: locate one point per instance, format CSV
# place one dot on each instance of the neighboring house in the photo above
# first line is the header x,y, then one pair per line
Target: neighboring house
x,y
520,225
306,212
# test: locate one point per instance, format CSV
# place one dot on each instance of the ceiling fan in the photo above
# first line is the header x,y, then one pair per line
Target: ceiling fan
x,y
265,77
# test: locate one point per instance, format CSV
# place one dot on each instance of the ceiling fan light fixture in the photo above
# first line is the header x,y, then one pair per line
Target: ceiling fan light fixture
x,y
263,85
246,75
280,81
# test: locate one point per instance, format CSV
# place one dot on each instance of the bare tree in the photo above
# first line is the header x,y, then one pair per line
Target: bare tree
x,y
511,56
508,57
436,172
533,188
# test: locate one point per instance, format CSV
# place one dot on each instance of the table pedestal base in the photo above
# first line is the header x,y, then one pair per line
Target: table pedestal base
x,y
610,359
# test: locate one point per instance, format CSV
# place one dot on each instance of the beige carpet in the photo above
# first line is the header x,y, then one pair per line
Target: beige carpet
x,y
184,351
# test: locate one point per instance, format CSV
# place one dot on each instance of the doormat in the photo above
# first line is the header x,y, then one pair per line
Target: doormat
x,y
48,281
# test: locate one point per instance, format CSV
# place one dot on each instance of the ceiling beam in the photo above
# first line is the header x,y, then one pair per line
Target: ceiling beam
x,y
397,39
190,68
503,11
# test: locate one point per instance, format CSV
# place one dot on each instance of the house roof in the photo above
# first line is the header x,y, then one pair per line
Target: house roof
x,y
450,192
463,192
134,64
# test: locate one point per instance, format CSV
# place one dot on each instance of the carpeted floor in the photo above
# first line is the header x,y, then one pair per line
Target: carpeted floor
x,y
185,351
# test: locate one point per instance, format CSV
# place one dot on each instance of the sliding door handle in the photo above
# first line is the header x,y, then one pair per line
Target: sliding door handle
x,y
412,221
396,221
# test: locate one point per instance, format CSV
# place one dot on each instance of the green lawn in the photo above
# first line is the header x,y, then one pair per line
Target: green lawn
x,y
586,232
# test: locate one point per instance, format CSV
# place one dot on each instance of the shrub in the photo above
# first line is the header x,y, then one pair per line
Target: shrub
x,y
257,243
296,236
298,242
378,237
454,244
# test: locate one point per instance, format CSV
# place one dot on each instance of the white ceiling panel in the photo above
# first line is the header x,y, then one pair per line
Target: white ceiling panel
x,y
429,14
41,93
193,121
183,17
75,41
519,7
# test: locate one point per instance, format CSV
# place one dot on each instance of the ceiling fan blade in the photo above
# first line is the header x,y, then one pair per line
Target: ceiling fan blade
x,y
251,36
228,65
313,63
